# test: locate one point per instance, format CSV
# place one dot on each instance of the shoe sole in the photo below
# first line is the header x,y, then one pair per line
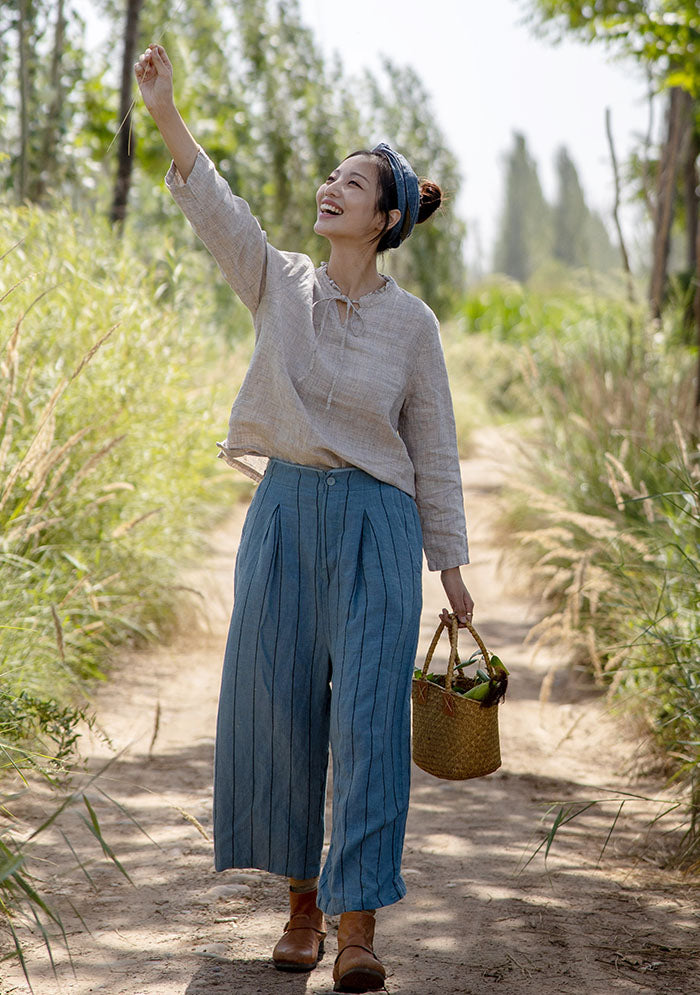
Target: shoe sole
x,y
360,980
290,965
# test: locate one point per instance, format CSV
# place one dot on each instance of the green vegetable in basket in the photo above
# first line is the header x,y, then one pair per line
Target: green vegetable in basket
x,y
479,692
497,665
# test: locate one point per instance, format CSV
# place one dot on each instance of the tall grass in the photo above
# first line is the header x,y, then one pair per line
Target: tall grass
x,y
610,515
114,389
503,332
116,376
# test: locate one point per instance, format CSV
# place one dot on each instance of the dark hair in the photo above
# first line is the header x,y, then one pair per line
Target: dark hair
x,y
387,200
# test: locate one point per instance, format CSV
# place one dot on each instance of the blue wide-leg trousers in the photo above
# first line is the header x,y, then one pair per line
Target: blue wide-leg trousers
x,y
320,652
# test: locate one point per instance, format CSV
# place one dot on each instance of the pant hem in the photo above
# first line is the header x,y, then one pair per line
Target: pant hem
x,y
283,872
335,907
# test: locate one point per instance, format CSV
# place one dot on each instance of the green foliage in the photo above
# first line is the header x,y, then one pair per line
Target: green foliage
x,y
430,262
115,385
24,906
30,720
570,215
502,328
611,515
509,312
663,34
251,82
53,162
113,396
284,120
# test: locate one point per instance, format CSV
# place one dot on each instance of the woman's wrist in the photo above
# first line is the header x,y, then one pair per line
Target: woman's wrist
x,y
165,112
177,137
451,572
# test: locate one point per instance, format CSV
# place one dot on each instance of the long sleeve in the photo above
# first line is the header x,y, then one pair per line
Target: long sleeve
x,y
427,427
226,226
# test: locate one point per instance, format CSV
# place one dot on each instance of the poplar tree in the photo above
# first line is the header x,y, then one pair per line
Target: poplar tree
x,y
524,239
399,110
41,62
570,215
580,237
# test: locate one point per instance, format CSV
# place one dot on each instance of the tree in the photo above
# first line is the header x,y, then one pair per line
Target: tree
x,y
259,96
24,99
123,179
38,76
278,119
524,239
678,121
570,215
664,37
398,109
580,237
49,155
603,254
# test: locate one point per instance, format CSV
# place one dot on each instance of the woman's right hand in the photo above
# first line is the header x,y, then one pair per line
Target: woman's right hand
x,y
154,75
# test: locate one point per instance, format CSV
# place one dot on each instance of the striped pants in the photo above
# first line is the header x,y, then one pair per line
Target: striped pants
x,y
320,651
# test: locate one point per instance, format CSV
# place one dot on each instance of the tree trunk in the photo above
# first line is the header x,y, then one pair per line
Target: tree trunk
x,y
696,419
690,187
23,158
621,241
616,210
48,159
678,118
691,182
125,146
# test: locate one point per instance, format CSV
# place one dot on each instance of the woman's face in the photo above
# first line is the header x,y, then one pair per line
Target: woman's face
x,y
347,202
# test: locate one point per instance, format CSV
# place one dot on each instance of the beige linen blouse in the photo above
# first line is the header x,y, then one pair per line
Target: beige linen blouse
x,y
368,390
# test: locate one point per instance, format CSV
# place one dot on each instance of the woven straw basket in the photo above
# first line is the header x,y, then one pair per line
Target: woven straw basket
x,y
454,738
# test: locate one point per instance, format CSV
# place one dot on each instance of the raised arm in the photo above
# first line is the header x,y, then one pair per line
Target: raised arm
x,y
222,220
154,75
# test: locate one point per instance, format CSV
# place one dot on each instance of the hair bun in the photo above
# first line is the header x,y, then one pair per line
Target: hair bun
x,y
430,199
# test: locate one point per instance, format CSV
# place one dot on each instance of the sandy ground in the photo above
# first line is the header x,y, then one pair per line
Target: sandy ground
x,y
475,918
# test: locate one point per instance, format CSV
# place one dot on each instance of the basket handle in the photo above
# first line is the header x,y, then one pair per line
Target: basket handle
x,y
454,656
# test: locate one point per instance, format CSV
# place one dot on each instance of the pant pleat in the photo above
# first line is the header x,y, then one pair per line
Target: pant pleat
x,y
320,652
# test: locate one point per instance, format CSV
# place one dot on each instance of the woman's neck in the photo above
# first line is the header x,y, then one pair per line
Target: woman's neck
x,y
354,270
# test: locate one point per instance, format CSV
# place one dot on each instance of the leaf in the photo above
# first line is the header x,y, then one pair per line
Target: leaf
x,y
9,867
94,827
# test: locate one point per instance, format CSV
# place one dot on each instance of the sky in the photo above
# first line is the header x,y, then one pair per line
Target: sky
x,y
488,75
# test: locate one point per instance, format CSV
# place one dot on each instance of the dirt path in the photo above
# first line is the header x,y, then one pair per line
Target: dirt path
x,y
471,923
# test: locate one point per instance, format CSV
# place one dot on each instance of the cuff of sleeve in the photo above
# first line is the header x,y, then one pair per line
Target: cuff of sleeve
x,y
448,559
173,178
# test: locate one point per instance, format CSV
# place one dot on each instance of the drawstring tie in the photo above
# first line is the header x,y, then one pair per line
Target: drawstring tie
x,y
351,309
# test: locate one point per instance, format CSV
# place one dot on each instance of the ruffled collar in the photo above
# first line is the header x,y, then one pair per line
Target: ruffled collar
x,y
366,300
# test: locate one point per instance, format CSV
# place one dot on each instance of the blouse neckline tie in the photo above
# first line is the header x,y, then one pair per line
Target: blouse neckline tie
x,y
354,320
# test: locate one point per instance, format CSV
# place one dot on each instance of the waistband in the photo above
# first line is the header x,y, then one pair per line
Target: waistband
x,y
292,473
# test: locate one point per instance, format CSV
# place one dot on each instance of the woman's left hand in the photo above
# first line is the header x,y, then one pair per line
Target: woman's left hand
x,y
458,595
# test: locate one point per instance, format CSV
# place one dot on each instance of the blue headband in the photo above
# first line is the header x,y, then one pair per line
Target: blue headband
x,y
407,192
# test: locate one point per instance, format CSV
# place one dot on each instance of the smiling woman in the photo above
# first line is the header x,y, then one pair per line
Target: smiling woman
x,y
379,177
346,408
349,205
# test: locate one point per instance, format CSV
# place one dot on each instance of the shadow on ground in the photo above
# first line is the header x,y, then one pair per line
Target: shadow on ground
x,y
474,920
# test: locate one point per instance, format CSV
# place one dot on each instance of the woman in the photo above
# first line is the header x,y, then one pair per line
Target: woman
x,y
346,402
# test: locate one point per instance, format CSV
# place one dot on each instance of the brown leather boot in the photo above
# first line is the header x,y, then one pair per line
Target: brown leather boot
x,y
301,946
356,968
